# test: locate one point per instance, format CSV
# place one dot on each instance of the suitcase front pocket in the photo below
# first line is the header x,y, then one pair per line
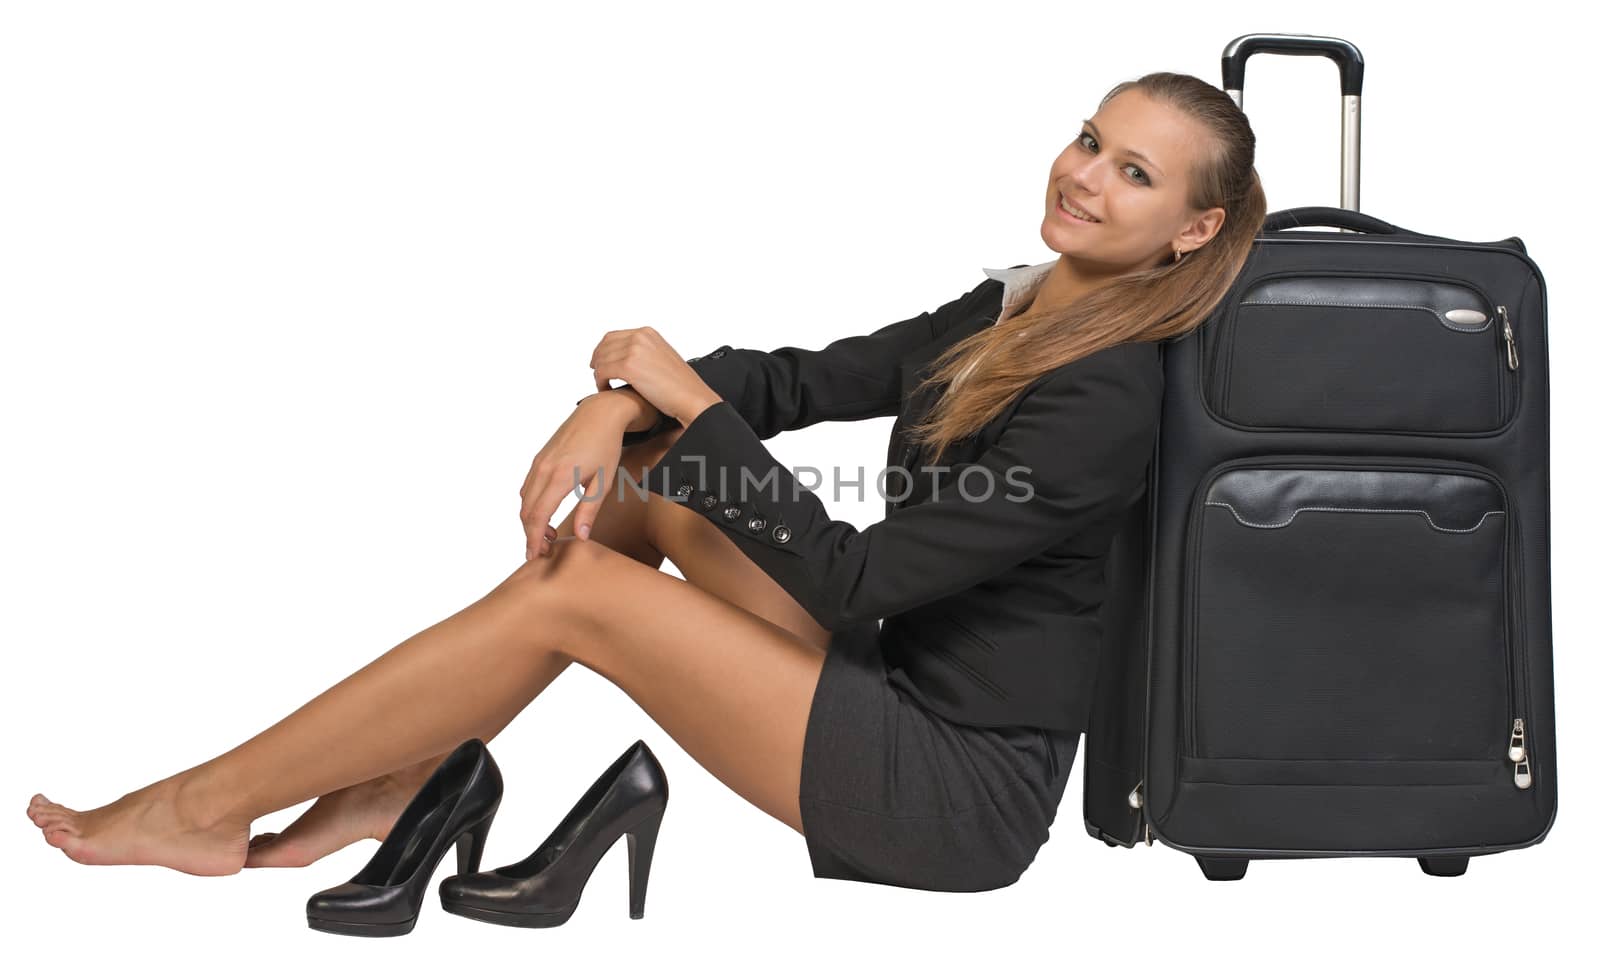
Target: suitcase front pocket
x,y
1343,613
1357,352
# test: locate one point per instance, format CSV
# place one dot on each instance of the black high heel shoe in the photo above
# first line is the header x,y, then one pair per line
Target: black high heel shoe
x,y
628,799
456,805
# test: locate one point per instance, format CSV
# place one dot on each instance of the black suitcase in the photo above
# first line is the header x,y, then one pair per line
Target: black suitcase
x,y
1328,622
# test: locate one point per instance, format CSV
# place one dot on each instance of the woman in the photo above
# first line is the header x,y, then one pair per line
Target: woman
x,y
894,771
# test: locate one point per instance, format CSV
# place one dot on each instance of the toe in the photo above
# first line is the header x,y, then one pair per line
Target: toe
x,y
59,838
274,855
75,848
66,824
257,853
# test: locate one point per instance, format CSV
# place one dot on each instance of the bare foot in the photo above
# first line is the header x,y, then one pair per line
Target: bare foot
x,y
158,825
364,811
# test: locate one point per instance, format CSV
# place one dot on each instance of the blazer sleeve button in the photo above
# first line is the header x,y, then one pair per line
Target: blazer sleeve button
x,y
685,490
731,512
707,501
780,533
756,524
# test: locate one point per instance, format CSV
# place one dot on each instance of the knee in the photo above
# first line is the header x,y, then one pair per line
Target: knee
x,y
567,557
544,584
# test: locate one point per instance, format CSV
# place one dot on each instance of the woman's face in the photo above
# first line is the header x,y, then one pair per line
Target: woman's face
x,y
1129,170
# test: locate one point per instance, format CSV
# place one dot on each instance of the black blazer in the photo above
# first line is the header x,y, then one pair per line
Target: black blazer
x,y
988,602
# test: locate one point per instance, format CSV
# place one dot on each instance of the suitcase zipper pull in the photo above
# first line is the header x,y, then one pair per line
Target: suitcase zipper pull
x,y
1137,802
1505,330
1518,747
1522,770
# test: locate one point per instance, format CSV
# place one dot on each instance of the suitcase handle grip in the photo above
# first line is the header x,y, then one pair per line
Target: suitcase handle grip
x,y
1351,69
1330,216
1342,52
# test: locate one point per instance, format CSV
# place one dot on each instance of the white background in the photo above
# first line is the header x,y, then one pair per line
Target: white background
x,y
292,292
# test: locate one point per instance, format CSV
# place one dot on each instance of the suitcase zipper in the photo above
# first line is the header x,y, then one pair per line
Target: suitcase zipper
x,y
1505,331
1519,750
1221,367
1136,800
1521,763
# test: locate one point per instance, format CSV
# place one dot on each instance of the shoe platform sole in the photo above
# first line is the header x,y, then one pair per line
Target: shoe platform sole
x,y
369,929
527,920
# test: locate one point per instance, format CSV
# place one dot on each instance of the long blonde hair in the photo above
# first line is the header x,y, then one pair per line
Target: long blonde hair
x,y
1158,303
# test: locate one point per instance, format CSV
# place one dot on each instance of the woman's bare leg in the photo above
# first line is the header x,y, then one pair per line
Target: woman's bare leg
x,y
368,809
701,552
461,676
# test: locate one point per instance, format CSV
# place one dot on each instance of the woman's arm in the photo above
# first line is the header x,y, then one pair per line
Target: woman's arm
x,y
852,378
644,422
1073,454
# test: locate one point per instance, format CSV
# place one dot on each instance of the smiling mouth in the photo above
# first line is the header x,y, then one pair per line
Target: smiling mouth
x,y
1061,205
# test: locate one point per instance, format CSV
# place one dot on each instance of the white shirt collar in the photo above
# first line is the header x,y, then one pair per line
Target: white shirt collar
x,y
1020,284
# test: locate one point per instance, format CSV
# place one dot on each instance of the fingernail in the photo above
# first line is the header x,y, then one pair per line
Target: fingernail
x,y
583,531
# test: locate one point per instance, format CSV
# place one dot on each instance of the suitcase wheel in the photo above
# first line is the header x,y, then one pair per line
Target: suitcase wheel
x,y
1443,865
1220,869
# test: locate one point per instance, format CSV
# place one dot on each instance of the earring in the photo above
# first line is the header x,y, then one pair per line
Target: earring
x,y
1177,255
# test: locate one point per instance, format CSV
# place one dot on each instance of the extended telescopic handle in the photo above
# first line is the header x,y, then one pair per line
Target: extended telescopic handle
x,y
1351,66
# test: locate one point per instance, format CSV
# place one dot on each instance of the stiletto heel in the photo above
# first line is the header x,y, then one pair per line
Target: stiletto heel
x,y
469,848
455,805
641,847
629,799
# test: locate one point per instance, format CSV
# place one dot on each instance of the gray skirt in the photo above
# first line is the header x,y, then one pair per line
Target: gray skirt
x,y
893,793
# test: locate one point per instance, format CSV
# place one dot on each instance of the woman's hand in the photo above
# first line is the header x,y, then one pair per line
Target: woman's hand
x,y
583,453
585,450
654,370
